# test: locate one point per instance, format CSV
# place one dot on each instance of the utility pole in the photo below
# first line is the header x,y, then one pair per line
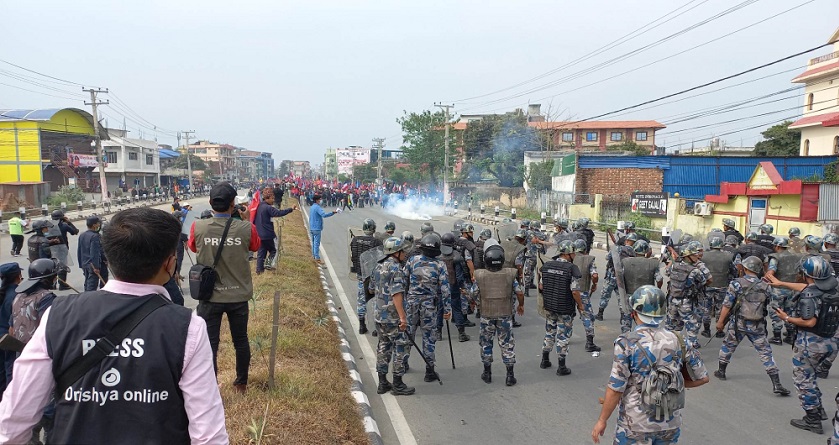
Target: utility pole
x,y
100,156
379,143
186,134
446,155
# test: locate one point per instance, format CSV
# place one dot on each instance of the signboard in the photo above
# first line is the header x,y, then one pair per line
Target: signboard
x,y
81,160
565,165
653,204
346,158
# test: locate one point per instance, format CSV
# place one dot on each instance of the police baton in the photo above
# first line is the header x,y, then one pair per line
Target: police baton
x,y
186,249
423,357
449,334
68,285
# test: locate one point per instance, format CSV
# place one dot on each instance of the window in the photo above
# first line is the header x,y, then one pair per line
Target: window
x,y
132,156
149,160
640,135
810,102
806,148
836,145
111,157
591,136
568,137
617,136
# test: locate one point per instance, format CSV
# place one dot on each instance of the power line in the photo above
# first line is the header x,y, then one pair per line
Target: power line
x,y
42,74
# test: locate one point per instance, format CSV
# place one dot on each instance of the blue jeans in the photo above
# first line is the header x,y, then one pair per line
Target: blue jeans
x,y
315,243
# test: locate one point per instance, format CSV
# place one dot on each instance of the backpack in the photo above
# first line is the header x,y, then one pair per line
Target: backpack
x,y
663,390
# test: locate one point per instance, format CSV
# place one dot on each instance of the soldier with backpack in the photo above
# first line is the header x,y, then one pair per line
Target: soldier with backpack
x,y
721,265
647,376
784,265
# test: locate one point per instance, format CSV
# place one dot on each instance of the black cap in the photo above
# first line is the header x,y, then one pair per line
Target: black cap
x,y
91,220
222,193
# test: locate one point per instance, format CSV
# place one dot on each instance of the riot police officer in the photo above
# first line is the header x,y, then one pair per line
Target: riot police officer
x,y
831,251
816,317
456,272
721,265
626,250
638,271
751,248
813,245
478,260
687,284
535,246
560,230
465,245
588,284
629,227
730,246
586,233
765,237
495,284
746,302
782,264
729,228
796,243
560,287
390,228
38,245
358,246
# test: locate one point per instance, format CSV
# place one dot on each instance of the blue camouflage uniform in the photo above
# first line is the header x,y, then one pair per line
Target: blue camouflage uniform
x,y
738,327
531,253
389,277
588,315
782,297
684,313
630,368
502,327
611,283
558,328
808,351
428,293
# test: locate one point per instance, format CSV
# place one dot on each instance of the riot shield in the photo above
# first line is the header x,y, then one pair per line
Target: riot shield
x,y
352,232
458,224
506,231
369,260
623,299
675,237
712,235
491,242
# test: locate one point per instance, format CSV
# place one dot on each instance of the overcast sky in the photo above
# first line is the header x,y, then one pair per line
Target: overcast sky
x,y
297,77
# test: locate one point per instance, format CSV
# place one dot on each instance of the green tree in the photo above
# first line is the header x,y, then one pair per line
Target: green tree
x,y
496,145
423,142
638,150
364,172
538,175
779,140
197,163
284,169
342,178
401,175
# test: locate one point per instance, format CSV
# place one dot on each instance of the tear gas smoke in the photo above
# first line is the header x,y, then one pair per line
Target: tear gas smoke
x,y
413,208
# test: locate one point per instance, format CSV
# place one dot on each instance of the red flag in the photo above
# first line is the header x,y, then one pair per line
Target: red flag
x,y
253,205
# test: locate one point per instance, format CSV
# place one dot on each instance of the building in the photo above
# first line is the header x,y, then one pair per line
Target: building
x,y
330,164
45,149
220,158
349,157
301,169
821,96
254,166
130,162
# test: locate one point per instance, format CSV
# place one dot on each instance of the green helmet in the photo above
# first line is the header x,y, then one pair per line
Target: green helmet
x,y
732,240
631,237
390,226
393,245
525,223
752,236
767,229
716,230
650,303
794,231
717,242
369,226
813,242
584,222
521,233
407,237
641,247
753,264
466,227
690,248
728,222
628,225
535,225
831,238
781,241
561,222
579,245
426,228
486,234
565,247
686,238
576,225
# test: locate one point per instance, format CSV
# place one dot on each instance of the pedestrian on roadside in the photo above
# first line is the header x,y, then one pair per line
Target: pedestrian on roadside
x,y
16,225
316,225
233,271
265,228
168,359
91,256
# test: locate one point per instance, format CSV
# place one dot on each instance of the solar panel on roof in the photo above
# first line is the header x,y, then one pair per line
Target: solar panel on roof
x,y
45,115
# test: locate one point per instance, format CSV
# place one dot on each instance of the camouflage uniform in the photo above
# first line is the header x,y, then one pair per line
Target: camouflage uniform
x,y
706,301
629,369
684,313
502,327
738,328
530,256
782,298
428,292
558,328
611,283
808,351
389,277
588,315
715,297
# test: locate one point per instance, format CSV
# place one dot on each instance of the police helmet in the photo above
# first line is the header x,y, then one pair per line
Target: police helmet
x,y
561,222
816,267
728,222
576,225
38,270
629,225
206,214
781,241
57,214
767,229
794,231
393,245
752,236
686,238
565,247
831,238
467,228
631,237
41,224
486,234
430,245
641,247
716,242
731,240
584,222
456,227
494,258
753,264
535,225
813,242
689,249
521,233
390,226
448,241
525,223
407,237
369,226
580,245
426,228
649,303
716,230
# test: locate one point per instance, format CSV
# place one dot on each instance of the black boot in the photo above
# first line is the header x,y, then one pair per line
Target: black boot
x,y
487,374
789,338
822,413
63,277
590,346
516,324
720,334
561,369
777,388
810,422
706,332
599,316
823,369
468,323
462,337
511,378
400,388
384,385
374,333
430,374
776,339
546,361
362,327
720,373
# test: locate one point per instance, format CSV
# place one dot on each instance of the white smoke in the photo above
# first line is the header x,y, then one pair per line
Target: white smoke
x,y
413,208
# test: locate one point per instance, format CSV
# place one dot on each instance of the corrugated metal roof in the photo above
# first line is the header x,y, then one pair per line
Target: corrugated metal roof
x,y
828,193
600,161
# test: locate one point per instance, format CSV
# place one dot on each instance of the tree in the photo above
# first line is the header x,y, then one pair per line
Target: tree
x,y
197,163
496,145
538,175
401,175
633,147
779,140
364,172
423,142
284,169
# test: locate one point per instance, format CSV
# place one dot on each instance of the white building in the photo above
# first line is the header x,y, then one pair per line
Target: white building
x,y
131,162
351,156
821,104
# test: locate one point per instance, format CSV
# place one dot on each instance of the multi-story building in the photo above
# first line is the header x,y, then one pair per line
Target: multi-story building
x,y
351,156
130,162
330,164
301,169
220,158
821,104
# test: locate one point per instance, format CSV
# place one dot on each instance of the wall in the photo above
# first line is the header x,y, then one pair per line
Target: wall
x,y
564,183
21,147
618,183
821,139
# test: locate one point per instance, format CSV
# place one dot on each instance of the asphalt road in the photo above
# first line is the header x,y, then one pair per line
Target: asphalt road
x,y
546,408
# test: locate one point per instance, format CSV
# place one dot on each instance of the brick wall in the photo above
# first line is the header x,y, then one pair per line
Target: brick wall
x,y
618,183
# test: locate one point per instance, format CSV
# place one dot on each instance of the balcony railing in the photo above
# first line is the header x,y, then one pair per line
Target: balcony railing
x,y
824,58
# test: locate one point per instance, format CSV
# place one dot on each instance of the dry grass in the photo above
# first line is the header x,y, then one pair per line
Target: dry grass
x,y
311,403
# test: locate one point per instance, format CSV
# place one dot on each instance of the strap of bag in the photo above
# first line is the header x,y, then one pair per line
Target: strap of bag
x,y
106,345
223,241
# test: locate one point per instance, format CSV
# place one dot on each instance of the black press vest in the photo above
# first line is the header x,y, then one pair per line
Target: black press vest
x,y
132,396
556,282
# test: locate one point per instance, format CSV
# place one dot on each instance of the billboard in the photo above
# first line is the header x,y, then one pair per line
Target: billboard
x,y
346,158
653,204
75,160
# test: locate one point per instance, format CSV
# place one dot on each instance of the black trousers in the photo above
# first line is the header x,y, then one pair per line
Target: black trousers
x,y
237,318
266,250
17,243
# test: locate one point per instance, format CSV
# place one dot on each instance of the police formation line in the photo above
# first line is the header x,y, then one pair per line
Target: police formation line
x,y
730,281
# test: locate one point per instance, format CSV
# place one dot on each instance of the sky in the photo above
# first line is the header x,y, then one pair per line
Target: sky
x,y
297,77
